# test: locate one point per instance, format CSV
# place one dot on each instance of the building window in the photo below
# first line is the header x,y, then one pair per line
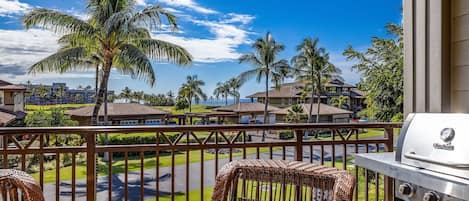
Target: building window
x,y
153,122
129,123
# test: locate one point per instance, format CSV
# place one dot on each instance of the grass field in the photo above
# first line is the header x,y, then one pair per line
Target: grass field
x,y
195,109
48,107
134,164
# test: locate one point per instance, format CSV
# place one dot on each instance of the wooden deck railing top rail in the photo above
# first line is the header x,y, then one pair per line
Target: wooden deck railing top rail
x,y
183,128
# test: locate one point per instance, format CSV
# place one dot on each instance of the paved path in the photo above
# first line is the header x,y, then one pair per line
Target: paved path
x,y
179,177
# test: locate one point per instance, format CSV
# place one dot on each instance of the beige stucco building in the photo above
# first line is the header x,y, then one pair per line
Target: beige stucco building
x,y
436,56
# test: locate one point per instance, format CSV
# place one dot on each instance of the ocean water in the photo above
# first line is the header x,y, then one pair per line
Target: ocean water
x,y
221,102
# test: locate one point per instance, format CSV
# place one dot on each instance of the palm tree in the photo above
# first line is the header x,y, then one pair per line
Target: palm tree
x,y
59,95
312,66
137,96
126,94
341,102
223,90
88,87
235,84
325,72
266,65
295,114
116,36
191,90
79,98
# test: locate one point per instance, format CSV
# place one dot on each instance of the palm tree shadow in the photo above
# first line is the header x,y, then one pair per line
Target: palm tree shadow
x,y
118,188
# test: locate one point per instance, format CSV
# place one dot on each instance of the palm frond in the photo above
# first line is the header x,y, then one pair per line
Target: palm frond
x,y
151,17
62,61
57,22
164,51
252,59
131,55
247,75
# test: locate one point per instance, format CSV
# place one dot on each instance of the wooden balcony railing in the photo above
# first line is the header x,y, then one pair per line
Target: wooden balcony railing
x,y
182,162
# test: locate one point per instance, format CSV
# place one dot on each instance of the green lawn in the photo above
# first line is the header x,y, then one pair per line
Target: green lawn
x,y
48,107
134,164
195,109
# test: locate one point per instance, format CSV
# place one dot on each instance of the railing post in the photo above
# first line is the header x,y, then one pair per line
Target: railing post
x,y
388,147
299,145
91,167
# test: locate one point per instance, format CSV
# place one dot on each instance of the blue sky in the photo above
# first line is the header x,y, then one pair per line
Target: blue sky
x,y
216,33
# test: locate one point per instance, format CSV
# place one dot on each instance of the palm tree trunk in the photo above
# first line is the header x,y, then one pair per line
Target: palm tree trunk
x,y
226,99
190,103
319,97
266,102
311,101
102,90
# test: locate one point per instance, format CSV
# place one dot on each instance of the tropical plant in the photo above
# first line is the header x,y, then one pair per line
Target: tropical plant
x,y
223,90
191,90
312,66
138,96
53,118
59,94
126,94
235,84
381,66
116,36
341,102
266,66
295,114
79,98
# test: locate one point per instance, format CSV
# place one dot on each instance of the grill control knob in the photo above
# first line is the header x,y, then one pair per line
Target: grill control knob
x,y
431,196
406,189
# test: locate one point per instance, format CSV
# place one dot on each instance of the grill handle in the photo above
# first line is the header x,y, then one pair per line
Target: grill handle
x,y
413,155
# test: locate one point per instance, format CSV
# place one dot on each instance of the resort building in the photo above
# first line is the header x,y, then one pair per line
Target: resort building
x,y
58,93
327,114
11,104
121,114
249,112
289,94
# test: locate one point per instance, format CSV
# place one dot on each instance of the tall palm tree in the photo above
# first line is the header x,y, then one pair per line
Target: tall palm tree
x,y
325,72
191,90
223,90
126,94
116,36
311,65
266,66
235,85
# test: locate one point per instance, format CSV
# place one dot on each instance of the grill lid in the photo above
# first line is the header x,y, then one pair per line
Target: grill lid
x,y
437,142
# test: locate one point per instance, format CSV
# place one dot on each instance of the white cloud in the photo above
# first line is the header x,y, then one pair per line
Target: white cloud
x,y
79,14
140,2
44,76
241,18
8,7
19,49
190,4
223,46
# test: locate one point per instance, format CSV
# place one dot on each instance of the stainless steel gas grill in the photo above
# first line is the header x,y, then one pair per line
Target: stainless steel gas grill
x,y
431,162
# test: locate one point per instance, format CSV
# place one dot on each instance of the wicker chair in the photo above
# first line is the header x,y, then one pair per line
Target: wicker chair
x,y
262,180
14,183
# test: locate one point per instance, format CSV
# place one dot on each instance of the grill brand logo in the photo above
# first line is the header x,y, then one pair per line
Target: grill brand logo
x,y
447,135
